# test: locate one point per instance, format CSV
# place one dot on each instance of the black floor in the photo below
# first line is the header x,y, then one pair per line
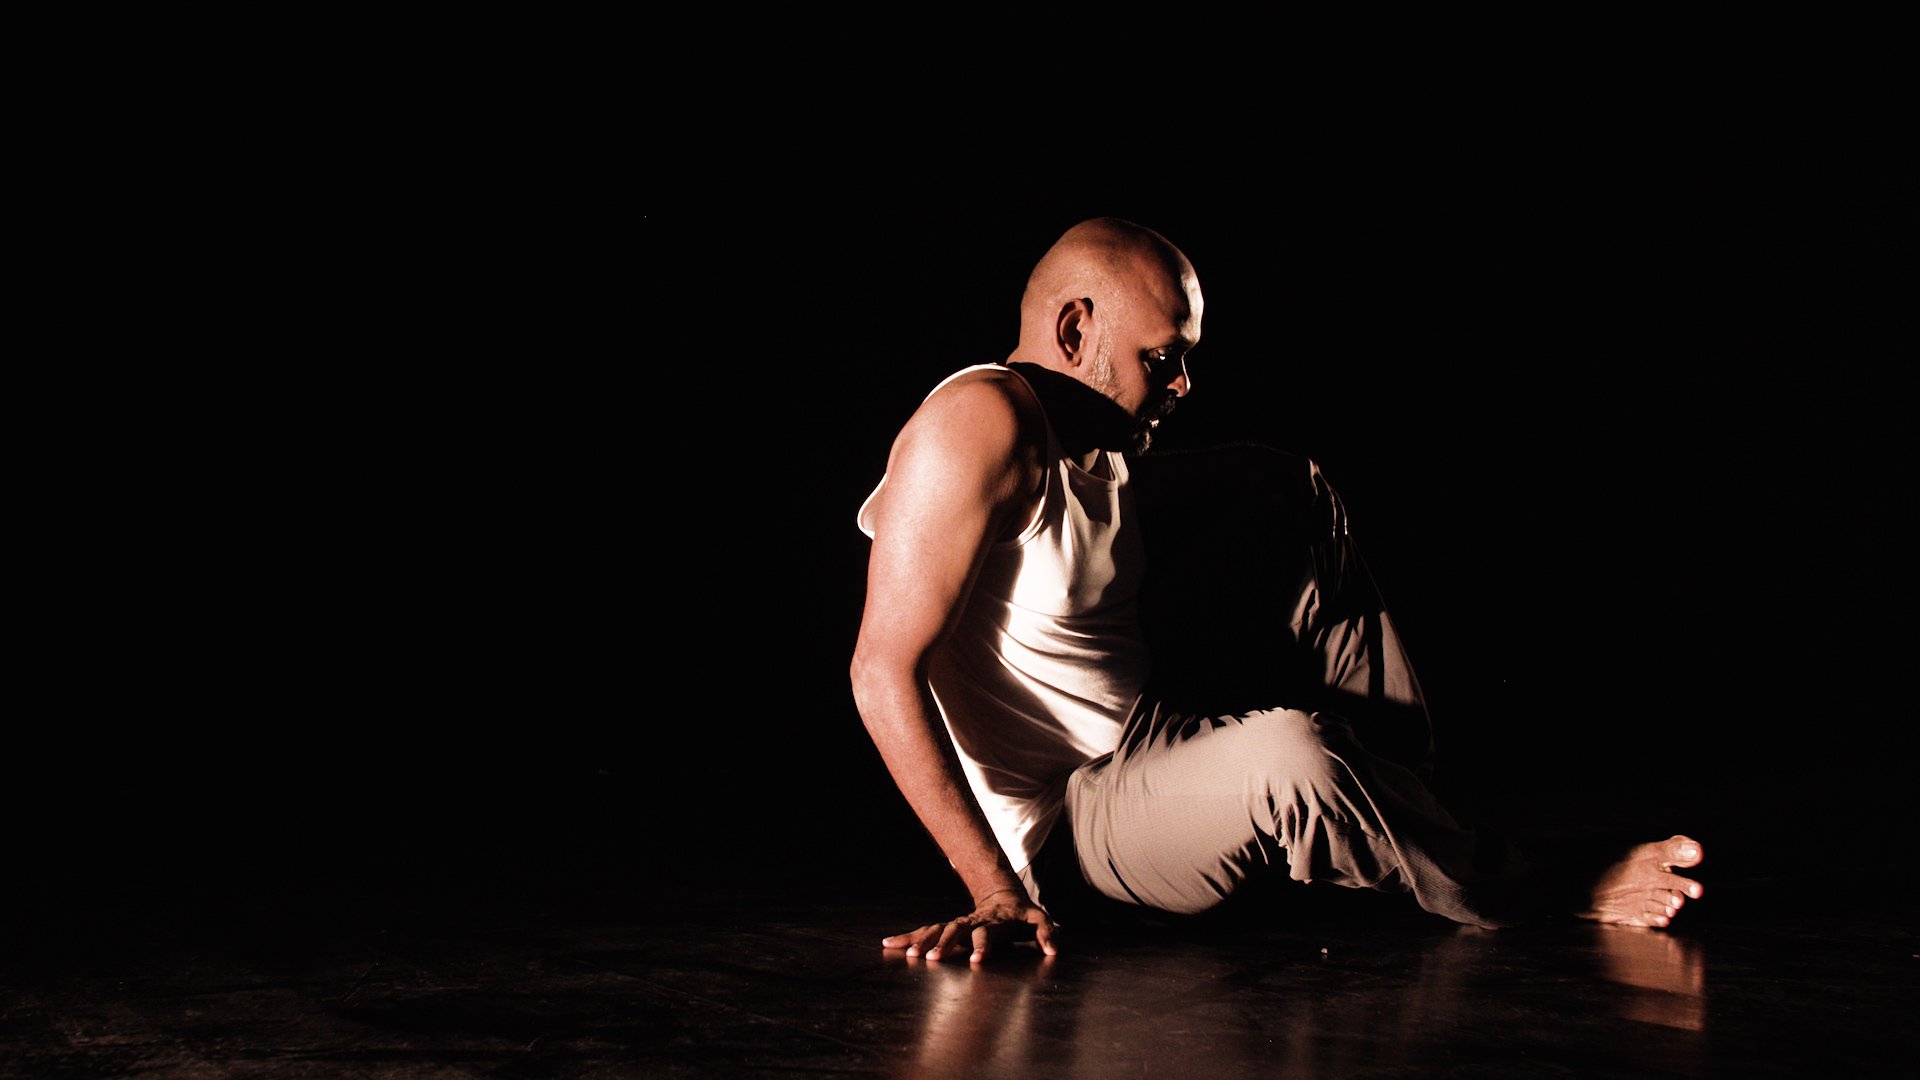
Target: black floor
x,y
563,947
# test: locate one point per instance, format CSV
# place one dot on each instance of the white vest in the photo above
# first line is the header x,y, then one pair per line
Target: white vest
x,y
1047,661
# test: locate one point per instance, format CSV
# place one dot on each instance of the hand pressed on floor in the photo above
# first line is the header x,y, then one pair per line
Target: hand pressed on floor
x,y
1002,916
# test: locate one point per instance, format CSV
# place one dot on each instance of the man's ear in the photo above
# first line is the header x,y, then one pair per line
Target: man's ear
x,y
1070,329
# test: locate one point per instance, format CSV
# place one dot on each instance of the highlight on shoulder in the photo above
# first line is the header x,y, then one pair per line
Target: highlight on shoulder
x,y
982,409
979,437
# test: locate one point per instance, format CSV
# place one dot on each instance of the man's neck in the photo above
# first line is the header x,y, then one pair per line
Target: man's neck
x,y
1085,420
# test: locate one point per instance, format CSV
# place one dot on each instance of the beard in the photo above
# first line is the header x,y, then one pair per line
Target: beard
x,y
1158,404
1157,409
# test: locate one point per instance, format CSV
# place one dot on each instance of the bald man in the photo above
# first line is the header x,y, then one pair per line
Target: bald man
x,y
1004,674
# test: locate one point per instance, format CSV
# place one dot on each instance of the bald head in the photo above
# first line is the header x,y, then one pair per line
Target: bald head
x,y
1116,307
1106,281
1108,261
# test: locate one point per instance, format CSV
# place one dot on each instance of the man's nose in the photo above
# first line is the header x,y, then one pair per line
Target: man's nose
x,y
1182,384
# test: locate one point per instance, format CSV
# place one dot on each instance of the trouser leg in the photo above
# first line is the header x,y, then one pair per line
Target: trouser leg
x,y
1190,807
1256,598
1310,745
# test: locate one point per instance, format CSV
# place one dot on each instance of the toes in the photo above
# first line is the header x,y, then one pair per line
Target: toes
x,y
1681,851
1662,906
1686,887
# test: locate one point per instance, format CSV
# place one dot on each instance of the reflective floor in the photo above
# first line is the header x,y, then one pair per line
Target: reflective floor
x,y
562,965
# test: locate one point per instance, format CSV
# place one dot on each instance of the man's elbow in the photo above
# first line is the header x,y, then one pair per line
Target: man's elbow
x,y
880,679
864,674
857,675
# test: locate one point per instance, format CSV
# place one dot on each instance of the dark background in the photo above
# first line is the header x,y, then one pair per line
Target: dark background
x,y
531,551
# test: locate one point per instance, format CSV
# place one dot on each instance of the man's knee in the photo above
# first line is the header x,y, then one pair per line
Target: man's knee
x,y
1321,814
1292,755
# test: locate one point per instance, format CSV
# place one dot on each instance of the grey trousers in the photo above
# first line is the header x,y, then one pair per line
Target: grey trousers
x,y
1309,750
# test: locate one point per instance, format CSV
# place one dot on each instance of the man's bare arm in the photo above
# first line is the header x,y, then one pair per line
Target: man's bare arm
x,y
961,471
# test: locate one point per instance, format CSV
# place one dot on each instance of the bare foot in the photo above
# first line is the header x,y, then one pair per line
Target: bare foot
x,y
1641,889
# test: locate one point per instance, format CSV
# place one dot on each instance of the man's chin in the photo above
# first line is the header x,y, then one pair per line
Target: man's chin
x,y
1144,432
1143,435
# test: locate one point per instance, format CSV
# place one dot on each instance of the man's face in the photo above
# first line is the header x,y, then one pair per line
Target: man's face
x,y
1140,357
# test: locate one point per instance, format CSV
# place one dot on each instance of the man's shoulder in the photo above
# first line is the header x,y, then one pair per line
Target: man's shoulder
x,y
972,441
986,386
987,409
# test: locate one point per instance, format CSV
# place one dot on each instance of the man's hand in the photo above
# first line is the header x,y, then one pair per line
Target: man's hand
x,y
1002,916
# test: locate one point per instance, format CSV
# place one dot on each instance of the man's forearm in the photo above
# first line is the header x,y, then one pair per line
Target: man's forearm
x,y
906,728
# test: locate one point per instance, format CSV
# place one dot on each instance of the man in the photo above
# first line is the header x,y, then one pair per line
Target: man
x,y
1004,673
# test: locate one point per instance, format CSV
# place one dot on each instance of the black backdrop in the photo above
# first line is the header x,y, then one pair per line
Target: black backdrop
x,y
538,530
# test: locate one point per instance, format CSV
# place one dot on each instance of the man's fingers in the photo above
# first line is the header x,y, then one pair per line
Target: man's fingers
x,y
939,939
946,937
1043,934
912,941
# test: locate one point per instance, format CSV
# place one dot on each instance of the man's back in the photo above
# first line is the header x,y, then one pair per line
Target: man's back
x,y
1045,660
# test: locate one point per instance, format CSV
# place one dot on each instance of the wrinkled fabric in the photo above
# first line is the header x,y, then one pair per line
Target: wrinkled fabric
x,y
1301,744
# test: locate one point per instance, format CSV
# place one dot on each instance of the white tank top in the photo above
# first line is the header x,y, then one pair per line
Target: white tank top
x,y
1047,661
